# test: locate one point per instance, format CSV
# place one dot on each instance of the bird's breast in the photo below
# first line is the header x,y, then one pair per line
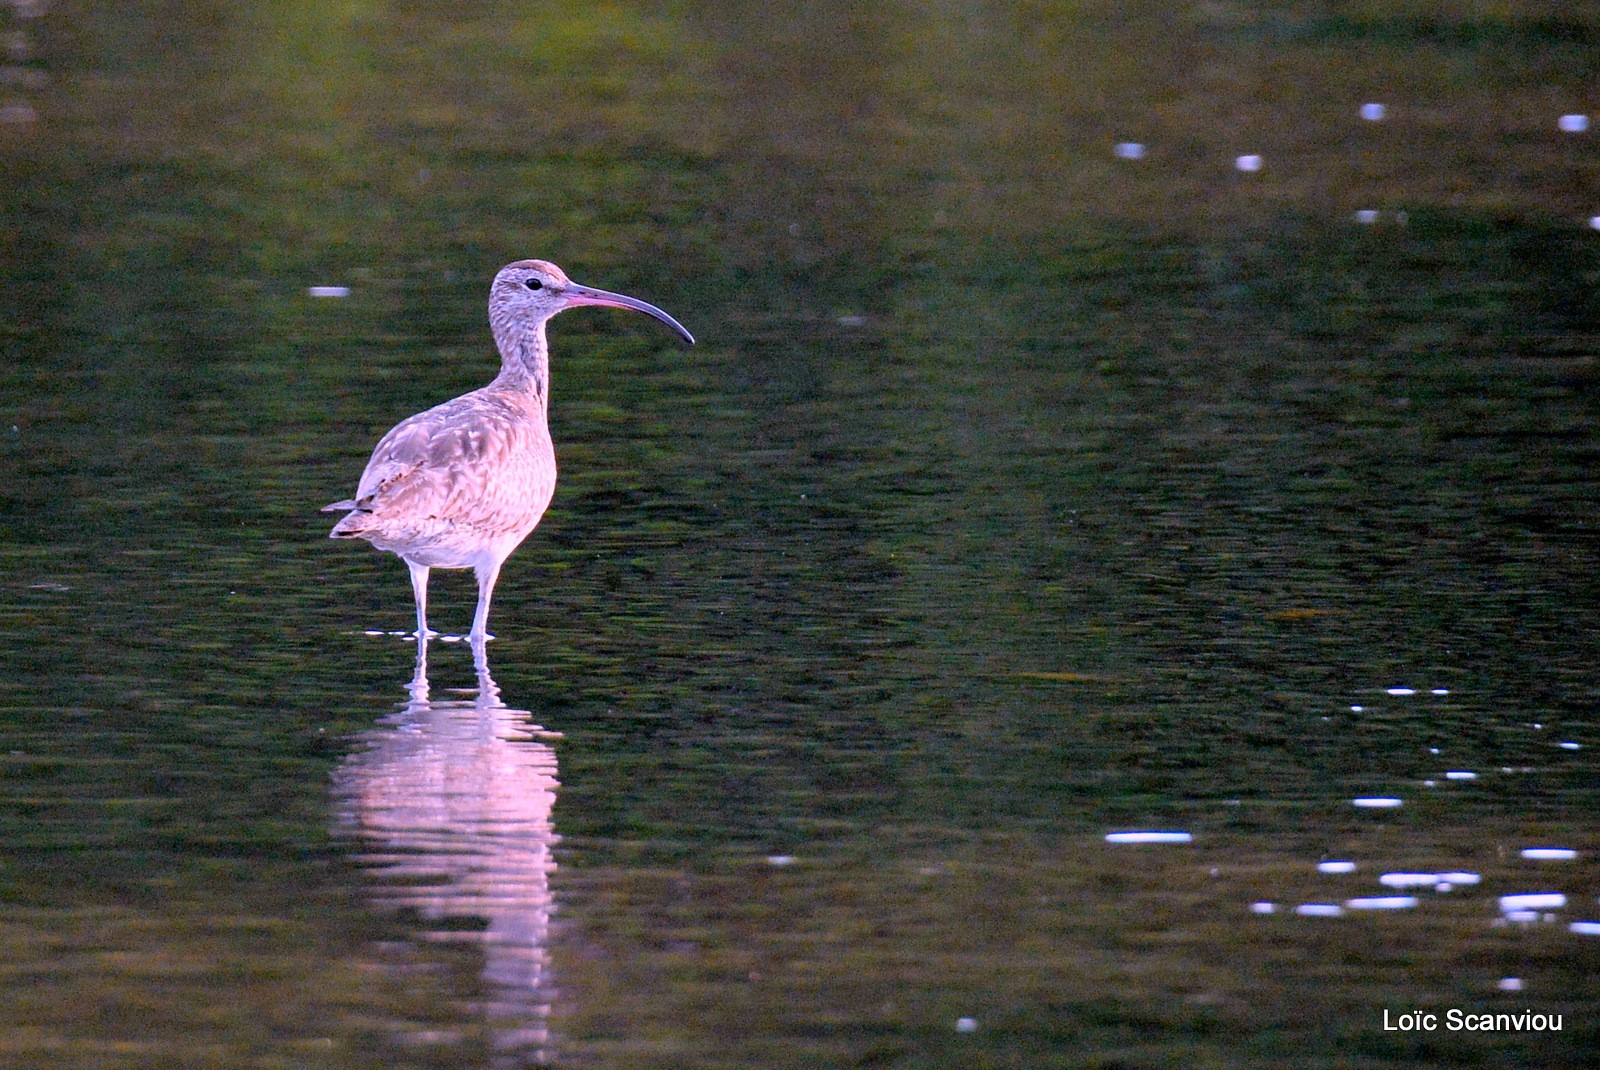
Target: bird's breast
x,y
481,466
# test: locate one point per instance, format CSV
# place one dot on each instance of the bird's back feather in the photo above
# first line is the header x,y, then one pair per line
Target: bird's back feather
x,y
477,468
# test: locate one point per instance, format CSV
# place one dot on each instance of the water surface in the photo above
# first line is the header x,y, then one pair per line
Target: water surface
x,y
1016,495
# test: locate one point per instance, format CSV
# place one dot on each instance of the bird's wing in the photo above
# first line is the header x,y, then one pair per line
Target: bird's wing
x,y
440,464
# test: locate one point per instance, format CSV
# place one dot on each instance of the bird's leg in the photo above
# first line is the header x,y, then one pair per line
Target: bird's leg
x,y
486,574
419,588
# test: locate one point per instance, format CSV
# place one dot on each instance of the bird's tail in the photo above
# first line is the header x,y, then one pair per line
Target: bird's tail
x,y
354,523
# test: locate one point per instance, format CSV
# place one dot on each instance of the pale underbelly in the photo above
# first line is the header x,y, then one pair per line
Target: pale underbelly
x,y
447,544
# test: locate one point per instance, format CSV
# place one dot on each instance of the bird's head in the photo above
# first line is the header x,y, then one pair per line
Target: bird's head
x,y
537,290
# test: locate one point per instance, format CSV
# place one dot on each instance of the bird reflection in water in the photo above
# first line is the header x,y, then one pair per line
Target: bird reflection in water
x,y
451,802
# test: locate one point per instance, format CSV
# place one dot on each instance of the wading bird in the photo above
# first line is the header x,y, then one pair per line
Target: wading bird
x,y
461,485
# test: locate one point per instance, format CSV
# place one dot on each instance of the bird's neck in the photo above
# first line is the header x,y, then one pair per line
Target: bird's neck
x,y
524,356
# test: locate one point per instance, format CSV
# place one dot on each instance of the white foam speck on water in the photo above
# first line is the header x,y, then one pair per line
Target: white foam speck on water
x,y
1573,124
1357,709
1400,690
1129,150
1572,746
1594,221
1336,867
372,631
1377,802
1509,984
1549,854
1249,162
1409,880
780,860
1148,837
1460,774
1319,910
1532,901
1263,907
328,291
1587,928
1373,113
1382,902
1367,215
1440,691
966,1025
1440,882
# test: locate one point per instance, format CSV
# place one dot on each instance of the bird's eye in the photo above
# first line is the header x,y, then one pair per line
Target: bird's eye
x,y
535,284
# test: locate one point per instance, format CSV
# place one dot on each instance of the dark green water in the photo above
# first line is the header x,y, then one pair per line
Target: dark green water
x,y
1016,495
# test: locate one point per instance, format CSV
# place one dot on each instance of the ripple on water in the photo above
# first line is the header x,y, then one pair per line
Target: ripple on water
x,y
1532,901
1549,854
1319,910
1442,882
1382,902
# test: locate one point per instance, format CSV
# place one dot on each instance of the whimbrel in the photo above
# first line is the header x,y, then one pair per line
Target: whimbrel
x,y
462,484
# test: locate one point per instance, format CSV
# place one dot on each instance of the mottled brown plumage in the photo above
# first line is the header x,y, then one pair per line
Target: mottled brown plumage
x,y
462,484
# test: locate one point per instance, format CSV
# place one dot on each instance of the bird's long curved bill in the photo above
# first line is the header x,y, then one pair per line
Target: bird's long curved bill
x,y
588,295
